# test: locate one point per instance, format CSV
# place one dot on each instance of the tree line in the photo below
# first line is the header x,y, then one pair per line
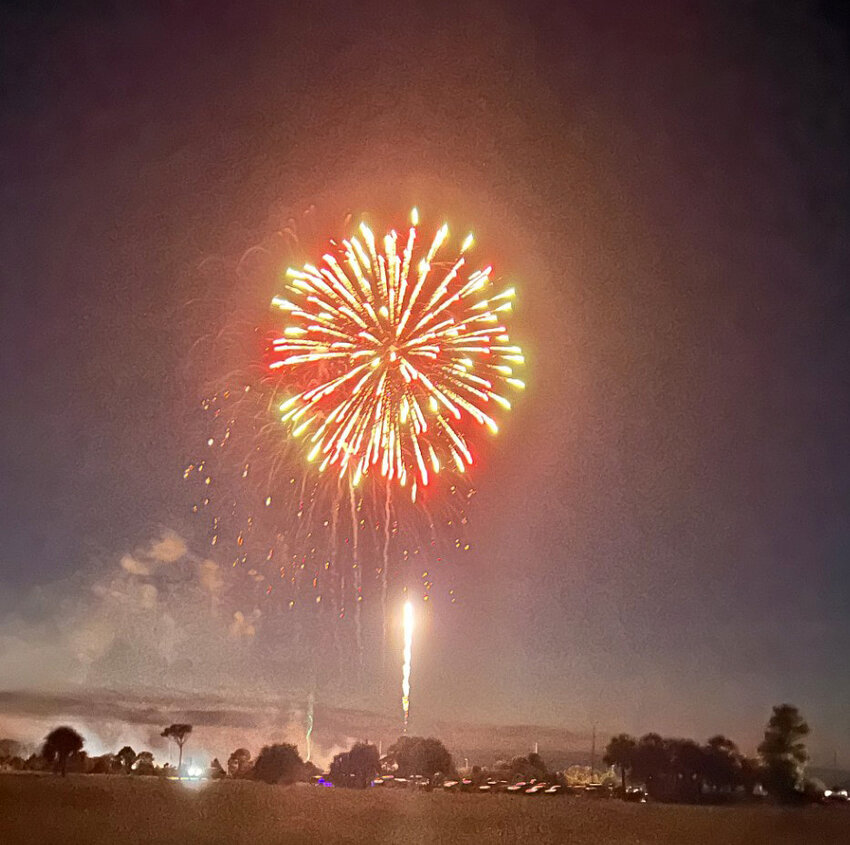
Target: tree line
x,y
683,770
670,769
62,752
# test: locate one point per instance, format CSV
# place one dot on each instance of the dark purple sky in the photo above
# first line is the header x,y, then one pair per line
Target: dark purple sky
x,y
661,536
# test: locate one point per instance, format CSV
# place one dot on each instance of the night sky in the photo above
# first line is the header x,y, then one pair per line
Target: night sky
x,y
660,536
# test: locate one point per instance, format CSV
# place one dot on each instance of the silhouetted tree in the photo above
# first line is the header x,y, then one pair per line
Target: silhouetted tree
x,y
239,763
722,768
59,745
750,774
651,762
620,752
357,767
106,764
36,763
179,733
783,753
527,768
78,763
279,764
416,755
126,756
685,768
144,764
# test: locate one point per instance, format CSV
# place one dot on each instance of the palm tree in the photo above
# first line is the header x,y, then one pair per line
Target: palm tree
x,y
178,733
620,752
59,745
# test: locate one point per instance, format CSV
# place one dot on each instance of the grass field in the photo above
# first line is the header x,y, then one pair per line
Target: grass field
x,y
92,809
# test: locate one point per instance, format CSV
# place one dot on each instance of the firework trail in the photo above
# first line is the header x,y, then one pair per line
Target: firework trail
x,y
406,658
311,700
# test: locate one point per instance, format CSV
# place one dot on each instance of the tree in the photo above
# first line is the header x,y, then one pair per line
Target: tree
x,y
179,733
239,763
144,764
686,768
750,774
783,753
279,764
723,764
527,768
416,755
126,756
620,752
59,745
357,767
651,762
101,765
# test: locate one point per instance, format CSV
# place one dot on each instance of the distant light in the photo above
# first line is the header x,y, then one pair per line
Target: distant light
x,y
194,771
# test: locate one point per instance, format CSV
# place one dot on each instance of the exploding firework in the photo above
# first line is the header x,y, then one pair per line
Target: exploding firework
x,y
406,658
394,349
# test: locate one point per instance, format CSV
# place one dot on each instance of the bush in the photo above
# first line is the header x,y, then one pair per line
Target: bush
x,y
279,764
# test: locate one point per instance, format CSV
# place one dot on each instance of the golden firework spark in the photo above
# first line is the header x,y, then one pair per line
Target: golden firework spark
x,y
399,349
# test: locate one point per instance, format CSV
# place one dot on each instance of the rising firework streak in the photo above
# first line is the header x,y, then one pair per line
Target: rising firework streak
x,y
405,671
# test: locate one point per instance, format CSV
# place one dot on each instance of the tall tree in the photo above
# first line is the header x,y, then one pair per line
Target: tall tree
x,y
620,752
783,753
59,745
179,733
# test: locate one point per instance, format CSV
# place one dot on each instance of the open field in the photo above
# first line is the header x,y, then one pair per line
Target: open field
x,y
92,809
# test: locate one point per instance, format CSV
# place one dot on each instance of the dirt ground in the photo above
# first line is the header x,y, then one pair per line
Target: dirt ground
x,y
109,809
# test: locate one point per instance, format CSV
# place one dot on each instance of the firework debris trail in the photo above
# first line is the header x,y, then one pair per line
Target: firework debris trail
x,y
358,587
385,573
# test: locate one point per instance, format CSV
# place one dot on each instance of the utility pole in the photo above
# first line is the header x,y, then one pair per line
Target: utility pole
x,y
593,755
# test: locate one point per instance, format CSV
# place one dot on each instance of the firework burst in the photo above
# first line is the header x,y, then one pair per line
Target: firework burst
x,y
394,351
